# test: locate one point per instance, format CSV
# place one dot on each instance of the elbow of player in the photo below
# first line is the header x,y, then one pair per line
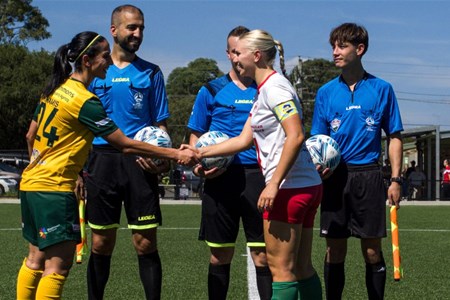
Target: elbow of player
x,y
297,140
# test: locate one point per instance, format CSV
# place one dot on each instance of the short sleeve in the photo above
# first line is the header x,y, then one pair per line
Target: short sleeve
x,y
94,117
200,119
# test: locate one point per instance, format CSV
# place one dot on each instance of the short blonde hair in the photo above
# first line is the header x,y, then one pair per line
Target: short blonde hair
x,y
262,40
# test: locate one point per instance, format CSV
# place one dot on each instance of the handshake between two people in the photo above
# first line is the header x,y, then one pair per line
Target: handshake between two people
x,y
198,169
160,161
186,155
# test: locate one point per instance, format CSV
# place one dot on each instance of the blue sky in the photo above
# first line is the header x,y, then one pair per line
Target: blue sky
x,y
409,40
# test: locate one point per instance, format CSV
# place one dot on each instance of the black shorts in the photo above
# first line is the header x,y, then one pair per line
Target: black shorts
x,y
354,203
228,198
113,178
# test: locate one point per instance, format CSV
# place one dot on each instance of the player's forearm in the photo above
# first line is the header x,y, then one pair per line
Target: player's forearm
x,y
396,154
193,138
30,136
232,146
228,147
130,146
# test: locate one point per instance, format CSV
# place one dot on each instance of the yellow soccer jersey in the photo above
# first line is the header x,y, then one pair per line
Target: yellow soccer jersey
x,y
67,123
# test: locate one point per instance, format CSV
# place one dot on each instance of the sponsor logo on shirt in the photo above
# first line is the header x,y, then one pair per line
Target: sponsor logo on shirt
x,y
353,107
121,79
257,128
243,101
103,122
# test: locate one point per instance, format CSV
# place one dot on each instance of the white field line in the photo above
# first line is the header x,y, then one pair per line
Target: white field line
x,y
251,278
316,229
251,273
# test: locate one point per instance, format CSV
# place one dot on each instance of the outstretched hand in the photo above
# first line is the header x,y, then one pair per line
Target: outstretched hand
x,y
186,146
188,157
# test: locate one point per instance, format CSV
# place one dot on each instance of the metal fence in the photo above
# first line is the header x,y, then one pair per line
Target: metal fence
x,y
425,191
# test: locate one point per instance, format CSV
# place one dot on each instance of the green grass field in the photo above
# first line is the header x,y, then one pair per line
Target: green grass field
x,y
424,244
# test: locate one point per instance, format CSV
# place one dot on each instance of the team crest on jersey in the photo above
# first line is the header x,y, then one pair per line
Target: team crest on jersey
x,y
370,122
335,124
138,97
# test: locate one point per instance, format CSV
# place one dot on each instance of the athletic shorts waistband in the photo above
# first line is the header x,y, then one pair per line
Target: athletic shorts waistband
x,y
245,166
361,168
105,148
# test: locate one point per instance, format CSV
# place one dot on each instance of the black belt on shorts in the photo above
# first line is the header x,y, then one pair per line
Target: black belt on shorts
x,y
361,168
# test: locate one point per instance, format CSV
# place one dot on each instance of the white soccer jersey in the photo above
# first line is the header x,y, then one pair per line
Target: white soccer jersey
x,y
269,136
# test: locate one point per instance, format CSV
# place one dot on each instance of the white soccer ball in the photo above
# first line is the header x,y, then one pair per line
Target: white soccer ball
x,y
154,136
324,151
212,138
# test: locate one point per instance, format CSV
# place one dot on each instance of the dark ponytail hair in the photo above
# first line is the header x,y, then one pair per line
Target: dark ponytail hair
x,y
67,58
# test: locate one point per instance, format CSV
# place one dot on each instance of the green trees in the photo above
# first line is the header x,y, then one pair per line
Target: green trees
x,y
22,73
22,76
182,87
20,23
308,77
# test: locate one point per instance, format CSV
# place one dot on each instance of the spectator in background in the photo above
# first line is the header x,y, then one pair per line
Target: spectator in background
x,y
416,181
446,180
410,169
387,173
405,185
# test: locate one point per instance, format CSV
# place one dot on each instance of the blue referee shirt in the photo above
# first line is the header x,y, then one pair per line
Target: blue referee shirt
x,y
355,119
134,97
227,112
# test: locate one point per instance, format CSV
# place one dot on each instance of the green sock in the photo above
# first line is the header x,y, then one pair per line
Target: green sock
x,y
310,288
285,290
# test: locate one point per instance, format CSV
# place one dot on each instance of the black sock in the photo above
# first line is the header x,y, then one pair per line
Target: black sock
x,y
376,279
150,271
218,281
310,288
264,282
97,275
334,277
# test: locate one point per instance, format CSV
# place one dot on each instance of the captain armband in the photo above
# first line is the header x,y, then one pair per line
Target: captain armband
x,y
285,110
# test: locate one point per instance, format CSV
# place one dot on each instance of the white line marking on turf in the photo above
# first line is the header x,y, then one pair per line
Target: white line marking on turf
x,y
316,229
251,278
